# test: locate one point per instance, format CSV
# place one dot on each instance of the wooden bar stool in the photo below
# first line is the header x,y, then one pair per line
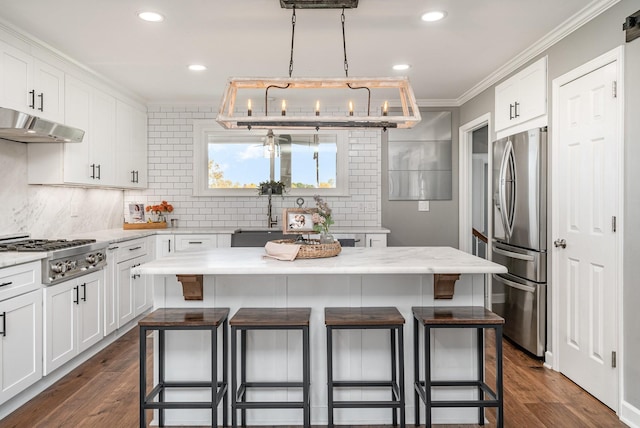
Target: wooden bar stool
x,y
184,319
475,317
268,319
380,318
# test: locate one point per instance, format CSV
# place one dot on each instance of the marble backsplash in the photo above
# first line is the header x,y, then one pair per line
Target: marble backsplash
x,y
48,211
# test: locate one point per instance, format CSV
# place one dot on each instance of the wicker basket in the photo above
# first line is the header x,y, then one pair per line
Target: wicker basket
x,y
316,250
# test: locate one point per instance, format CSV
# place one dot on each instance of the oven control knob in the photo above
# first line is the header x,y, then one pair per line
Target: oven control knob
x,y
58,268
91,258
100,256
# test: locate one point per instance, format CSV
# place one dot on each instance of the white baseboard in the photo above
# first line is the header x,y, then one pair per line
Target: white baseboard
x,y
630,415
548,360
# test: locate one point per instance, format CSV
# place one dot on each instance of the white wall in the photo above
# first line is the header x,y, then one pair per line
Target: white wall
x,y
171,179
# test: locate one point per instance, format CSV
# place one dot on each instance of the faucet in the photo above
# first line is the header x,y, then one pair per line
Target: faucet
x,y
271,221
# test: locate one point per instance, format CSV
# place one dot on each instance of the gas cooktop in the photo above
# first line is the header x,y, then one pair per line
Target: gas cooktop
x,y
43,245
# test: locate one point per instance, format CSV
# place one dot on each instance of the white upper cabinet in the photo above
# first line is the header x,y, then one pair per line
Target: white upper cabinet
x,y
131,146
91,162
30,85
113,153
522,97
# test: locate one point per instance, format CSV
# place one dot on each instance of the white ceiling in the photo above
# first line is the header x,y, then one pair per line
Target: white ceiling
x,y
252,38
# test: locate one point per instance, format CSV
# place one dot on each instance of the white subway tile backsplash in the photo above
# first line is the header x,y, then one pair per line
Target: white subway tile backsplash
x,y
170,177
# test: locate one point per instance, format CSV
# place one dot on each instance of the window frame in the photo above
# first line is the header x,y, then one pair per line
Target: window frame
x,y
205,127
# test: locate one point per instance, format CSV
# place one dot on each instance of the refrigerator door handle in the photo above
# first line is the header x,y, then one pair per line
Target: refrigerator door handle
x,y
513,284
514,255
506,212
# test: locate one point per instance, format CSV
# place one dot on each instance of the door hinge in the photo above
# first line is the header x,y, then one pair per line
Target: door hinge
x,y
614,88
613,224
613,359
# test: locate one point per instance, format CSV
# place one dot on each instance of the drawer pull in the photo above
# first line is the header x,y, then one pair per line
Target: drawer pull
x,y
112,248
6,283
4,324
134,248
195,242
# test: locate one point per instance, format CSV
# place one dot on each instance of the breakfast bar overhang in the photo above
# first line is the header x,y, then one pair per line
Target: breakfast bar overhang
x,y
391,276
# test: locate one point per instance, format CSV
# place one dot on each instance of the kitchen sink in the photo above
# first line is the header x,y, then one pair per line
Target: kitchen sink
x,y
257,238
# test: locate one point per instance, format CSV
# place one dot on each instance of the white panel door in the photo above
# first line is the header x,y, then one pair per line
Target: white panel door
x,y
20,343
59,325
90,309
16,76
48,82
77,113
588,197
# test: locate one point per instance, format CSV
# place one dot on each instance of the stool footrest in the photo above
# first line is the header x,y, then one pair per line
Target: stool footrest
x,y
420,387
363,383
272,384
179,405
366,404
270,405
221,389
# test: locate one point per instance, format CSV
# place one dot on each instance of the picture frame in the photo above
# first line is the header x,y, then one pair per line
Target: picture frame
x,y
136,213
297,220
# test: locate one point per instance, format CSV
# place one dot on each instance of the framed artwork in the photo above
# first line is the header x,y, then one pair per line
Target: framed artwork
x,y
298,220
136,213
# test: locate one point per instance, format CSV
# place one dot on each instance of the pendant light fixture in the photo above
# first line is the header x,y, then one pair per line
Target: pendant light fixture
x,y
238,87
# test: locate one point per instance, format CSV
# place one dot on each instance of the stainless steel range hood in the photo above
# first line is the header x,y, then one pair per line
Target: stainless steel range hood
x,y
25,128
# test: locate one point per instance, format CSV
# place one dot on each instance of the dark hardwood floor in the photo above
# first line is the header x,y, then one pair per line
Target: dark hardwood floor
x,y
103,392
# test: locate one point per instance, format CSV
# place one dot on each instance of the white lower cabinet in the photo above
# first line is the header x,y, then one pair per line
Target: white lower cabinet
x,y
20,343
134,292
376,240
72,318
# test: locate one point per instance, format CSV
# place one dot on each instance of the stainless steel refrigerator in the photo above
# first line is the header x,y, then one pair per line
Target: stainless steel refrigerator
x,y
520,236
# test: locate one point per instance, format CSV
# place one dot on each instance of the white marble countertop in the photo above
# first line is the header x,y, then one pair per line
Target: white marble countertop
x,y
374,260
11,259
113,236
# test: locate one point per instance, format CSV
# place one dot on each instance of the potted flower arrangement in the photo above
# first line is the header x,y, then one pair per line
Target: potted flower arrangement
x,y
276,187
157,211
322,220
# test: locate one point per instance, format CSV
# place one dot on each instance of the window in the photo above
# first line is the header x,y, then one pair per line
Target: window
x,y
233,162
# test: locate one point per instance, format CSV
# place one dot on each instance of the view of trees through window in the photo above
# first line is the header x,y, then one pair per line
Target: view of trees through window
x,y
298,160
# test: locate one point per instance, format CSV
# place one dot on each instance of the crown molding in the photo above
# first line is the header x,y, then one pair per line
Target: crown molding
x,y
567,27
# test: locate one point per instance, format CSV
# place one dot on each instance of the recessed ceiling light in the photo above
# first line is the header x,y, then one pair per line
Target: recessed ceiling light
x,y
400,67
433,16
197,67
151,16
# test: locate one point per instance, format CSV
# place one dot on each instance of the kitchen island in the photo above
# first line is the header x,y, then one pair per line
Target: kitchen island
x,y
387,276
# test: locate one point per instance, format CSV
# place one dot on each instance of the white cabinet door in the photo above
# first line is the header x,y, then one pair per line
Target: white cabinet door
x,y
533,91
522,97
164,245
376,240
20,343
139,147
142,288
72,318
131,146
110,292
59,324
90,310
48,84
506,97
126,310
16,75
103,137
76,165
